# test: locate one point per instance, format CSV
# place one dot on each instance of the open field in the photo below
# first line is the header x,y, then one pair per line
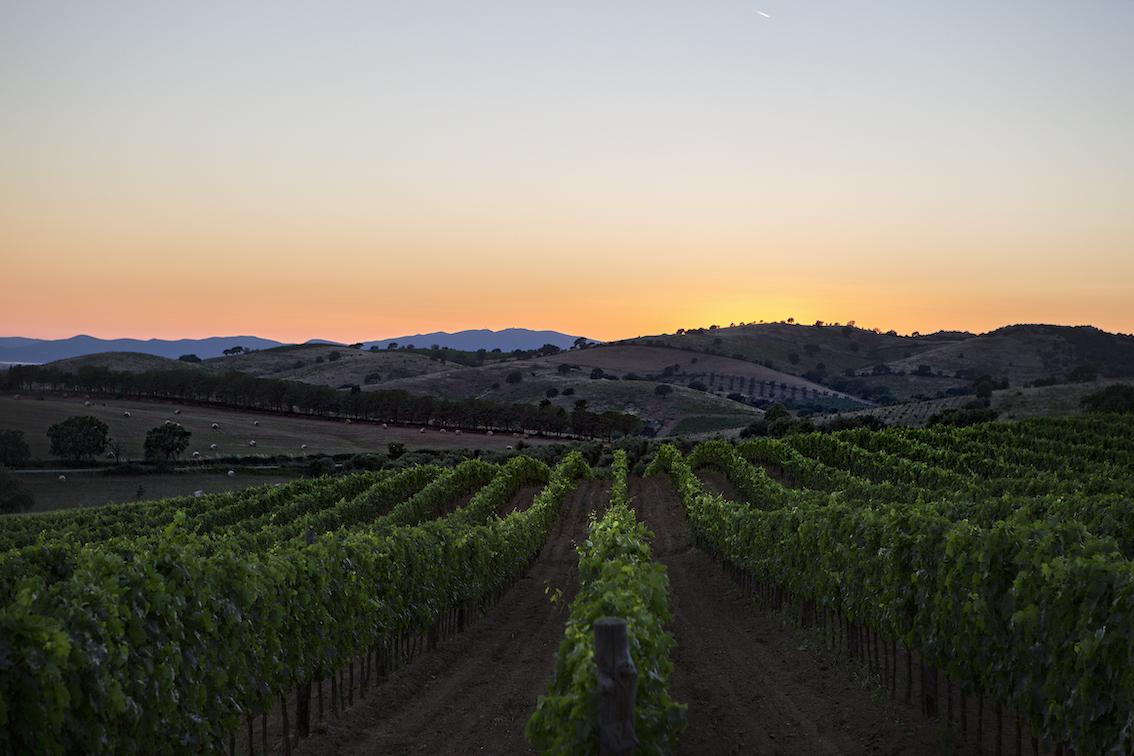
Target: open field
x,y
275,434
88,489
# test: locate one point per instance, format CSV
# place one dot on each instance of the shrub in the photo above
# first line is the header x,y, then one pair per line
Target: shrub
x,y
78,438
1083,374
164,443
960,418
1116,398
14,451
13,496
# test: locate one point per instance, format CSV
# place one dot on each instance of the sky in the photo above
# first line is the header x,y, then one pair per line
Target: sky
x,y
361,170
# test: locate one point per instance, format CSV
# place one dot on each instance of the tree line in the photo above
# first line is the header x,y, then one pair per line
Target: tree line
x,y
236,390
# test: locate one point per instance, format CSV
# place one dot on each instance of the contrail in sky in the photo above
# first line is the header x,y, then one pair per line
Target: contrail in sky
x,y
762,13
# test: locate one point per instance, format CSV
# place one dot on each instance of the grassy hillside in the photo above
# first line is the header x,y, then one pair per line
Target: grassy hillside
x,y
329,365
537,378
1011,403
848,359
832,367
681,367
124,362
799,349
1026,353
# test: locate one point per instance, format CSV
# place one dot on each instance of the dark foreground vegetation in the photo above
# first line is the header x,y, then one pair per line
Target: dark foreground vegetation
x,y
982,573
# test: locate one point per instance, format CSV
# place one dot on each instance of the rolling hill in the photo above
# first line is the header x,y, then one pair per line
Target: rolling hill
x,y
868,364
122,362
1025,353
534,380
1011,403
326,365
711,377
36,351
506,340
18,349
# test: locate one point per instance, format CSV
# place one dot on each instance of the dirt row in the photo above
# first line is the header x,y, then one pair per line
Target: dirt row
x,y
475,692
752,683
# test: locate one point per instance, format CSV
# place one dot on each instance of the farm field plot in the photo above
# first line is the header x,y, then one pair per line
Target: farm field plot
x,y
274,434
93,489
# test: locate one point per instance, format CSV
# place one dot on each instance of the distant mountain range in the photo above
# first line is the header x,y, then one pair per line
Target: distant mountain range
x,y
17,349
20,349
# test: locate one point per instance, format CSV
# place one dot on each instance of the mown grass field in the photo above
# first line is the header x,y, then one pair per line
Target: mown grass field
x,y
274,435
89,489
693,425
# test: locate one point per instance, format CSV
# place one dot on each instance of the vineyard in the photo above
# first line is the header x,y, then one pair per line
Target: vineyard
x,y
977,580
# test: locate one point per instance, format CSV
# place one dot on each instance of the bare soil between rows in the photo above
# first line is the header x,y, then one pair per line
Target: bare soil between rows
x,y
475,692
749,679
716,482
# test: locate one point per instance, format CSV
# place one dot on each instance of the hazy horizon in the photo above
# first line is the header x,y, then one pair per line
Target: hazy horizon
x,y
238,333
361,169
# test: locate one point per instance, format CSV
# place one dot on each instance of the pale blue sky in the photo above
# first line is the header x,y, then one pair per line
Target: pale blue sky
x,y
892,147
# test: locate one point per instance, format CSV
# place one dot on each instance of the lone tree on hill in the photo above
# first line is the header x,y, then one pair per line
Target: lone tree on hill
x,y
165,442
78,438
14,451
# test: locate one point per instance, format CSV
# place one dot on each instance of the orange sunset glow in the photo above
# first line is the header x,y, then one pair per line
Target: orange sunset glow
x,y
192,170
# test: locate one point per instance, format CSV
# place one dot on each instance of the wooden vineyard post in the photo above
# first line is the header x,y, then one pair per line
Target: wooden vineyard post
x,y
303,691
618,681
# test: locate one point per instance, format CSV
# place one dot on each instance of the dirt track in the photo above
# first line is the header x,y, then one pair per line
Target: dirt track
x,y
716,482
475,692
749,685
